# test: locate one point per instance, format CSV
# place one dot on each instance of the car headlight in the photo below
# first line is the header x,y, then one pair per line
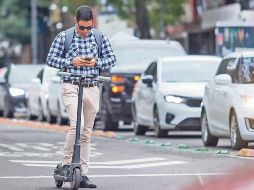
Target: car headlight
x,y
16,92
248,101
174,99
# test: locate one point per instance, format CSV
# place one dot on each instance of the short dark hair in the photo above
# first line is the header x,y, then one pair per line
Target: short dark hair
x,y
84,12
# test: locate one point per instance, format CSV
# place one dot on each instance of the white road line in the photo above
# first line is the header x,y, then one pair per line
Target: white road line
x,y
11,147
135,166
33,147
40,148
128,175
140,160
131,161
46,144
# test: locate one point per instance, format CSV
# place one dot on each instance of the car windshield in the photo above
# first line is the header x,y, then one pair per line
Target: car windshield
x,y
189,71
246,70
140,57
23,74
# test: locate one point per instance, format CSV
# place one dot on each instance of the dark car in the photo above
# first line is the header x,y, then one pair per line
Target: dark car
x,y
132,58
13,88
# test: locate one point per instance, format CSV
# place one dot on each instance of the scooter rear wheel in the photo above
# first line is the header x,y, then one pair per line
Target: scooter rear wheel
x,y
58,183
76,179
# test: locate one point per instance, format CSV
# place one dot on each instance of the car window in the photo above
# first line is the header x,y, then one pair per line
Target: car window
x,y
223,66
40,74
231,69
149,70
189,71
246,70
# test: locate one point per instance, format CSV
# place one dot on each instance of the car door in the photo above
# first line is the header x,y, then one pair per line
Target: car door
x,y
221,100
148,95
211,94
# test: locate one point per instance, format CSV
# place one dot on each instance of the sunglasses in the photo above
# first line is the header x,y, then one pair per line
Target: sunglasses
x,y
84,27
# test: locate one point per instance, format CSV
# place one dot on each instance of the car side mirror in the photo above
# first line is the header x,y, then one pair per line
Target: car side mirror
x,y
36,81
56,79
147,79
223,79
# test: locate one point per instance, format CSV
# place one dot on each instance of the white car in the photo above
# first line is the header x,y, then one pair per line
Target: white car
x,y
228,104
169,94
56,107
38,94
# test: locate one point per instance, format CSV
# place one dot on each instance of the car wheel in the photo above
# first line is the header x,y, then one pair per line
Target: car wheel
x,y
207,138
59,119
29,114
138,129
8,114
50,118
236,139
156,120
41,116
1,113
106,118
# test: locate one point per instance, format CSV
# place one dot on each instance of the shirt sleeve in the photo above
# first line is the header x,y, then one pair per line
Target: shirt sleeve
x,y
55,56
108,58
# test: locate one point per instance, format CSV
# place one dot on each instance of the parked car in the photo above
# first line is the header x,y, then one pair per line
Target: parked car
x,y
56,109
228,102
38,94
13,88
132,58
169,94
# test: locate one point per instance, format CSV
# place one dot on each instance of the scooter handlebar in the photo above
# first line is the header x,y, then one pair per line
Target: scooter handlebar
x,y
104,79
99,78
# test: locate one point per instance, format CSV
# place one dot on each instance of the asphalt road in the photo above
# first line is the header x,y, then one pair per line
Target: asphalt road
x,y
28,157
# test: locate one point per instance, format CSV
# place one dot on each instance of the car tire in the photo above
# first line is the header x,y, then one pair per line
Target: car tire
x,y
106,118
207,138
1,113
138,129
50,118
30,116
41,116
159,133
8,114
236,140
59,119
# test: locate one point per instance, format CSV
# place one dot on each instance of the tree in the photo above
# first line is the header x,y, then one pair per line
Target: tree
x,y
14,20
147,13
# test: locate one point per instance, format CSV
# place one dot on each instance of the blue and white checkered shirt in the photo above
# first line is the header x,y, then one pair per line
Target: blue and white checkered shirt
x,y
82,47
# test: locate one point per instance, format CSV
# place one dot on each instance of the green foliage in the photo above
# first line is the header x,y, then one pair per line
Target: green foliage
x,y
172,10
74,4
14,20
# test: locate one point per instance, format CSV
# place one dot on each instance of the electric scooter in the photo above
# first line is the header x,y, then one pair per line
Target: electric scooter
x,y
73,174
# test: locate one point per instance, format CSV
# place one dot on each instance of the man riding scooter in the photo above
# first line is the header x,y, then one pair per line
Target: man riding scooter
x,y
84,56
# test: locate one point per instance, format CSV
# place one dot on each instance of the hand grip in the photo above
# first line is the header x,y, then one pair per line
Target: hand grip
x,y
104,79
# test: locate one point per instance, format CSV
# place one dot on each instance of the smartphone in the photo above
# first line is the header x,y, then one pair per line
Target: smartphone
x,y
87,58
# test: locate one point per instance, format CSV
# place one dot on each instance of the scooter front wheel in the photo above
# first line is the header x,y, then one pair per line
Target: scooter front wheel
x,y
76,179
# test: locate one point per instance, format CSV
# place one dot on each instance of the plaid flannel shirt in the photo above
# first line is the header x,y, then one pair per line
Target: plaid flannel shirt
x,y
82,47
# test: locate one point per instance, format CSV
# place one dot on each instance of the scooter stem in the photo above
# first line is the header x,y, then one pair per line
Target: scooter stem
x,y
76,148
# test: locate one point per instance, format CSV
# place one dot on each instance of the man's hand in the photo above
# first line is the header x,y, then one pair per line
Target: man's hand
x,y
79,62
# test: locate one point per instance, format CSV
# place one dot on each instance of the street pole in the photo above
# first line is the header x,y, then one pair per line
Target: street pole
x,y
162,27
34,31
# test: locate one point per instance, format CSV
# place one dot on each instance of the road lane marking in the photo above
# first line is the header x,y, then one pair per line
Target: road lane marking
x,y
135,166
124,175
11,147
131,161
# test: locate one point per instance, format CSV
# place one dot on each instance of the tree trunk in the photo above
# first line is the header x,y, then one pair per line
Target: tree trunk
x,y
142,19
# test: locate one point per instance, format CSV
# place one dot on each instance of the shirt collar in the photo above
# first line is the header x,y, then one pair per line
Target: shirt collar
x,y
79,36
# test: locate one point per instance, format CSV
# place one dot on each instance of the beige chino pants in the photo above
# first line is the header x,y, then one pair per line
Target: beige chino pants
x,y
91,98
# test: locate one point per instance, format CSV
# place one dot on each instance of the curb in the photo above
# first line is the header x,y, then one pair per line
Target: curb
x,y
51,127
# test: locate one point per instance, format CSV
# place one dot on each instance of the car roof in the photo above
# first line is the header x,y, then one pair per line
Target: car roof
x,y
146,43
239,54
189,58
